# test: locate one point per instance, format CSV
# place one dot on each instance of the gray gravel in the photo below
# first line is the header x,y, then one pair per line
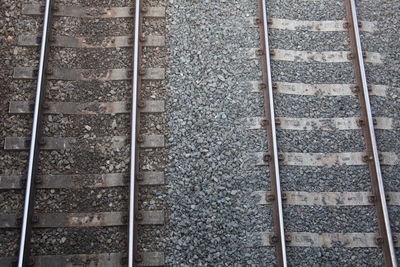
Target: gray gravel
x,y
388,140
86,126
316,106
9,242
332,257
394,213
210,182
328,219
81,200
306,10
107,27
93,58
320,141
221,34
88,240
151,238
391,174
310,41
74,125
99,3
312,72
317,179
11,201
99,158
13,162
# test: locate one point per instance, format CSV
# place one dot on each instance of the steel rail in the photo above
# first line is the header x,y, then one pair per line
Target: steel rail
x,y
133,256
279,229
26,230
369,134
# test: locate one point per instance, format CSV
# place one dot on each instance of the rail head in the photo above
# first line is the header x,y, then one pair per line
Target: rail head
x,y
133,256
279,229
24,248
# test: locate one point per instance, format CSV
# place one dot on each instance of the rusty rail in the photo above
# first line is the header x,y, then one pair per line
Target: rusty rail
x,y
366,121
272,158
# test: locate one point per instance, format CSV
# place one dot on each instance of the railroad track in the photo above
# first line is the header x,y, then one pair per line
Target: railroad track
x,y
88,166
311,195
279,156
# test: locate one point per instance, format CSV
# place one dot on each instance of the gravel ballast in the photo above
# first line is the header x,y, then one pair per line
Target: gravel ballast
x,y
209,181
